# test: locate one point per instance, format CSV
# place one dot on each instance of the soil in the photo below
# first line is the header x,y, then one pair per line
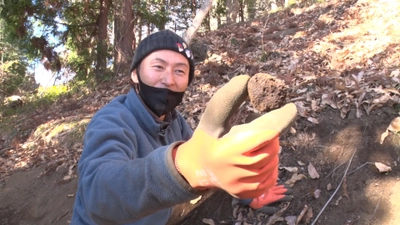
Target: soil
x,y
373,197
267,93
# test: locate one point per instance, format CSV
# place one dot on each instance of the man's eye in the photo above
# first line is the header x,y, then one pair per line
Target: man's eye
x,y
180,72
157,66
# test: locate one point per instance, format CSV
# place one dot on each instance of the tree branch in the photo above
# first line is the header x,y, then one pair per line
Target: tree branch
x,y
198,19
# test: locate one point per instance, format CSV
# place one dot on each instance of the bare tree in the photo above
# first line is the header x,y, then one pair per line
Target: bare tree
x,y
232,8
191,31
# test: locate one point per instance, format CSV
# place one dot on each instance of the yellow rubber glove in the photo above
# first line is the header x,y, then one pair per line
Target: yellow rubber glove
x,y
243,161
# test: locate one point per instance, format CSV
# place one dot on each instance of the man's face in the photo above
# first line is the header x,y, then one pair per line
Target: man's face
x,y
164,69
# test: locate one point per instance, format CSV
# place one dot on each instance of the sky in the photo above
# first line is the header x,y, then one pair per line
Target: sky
x,y
42,76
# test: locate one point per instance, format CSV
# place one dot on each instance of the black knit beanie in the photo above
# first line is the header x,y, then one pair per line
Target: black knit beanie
x,y
164,39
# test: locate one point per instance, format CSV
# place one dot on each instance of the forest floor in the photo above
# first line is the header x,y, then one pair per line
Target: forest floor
x,y
341,62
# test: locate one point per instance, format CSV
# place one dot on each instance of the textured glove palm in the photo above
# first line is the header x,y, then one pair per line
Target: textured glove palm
x,y
243,164
242,160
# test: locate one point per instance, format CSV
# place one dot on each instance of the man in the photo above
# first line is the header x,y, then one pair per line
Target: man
x,y
141,158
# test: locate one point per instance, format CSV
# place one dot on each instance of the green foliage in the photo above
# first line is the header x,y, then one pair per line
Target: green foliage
x,y
45,97
80,38
49,95
12,65
36,28
52,93
78,62
12,76
20,17
220,9
263,57
234,41
153,12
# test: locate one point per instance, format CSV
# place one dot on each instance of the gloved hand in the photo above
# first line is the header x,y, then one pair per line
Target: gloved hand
x,y
278,193
242,160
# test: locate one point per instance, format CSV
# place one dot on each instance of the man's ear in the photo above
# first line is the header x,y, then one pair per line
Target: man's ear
x,y
134,76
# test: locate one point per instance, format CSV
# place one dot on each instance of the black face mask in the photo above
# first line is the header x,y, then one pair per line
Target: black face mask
x,y
159,100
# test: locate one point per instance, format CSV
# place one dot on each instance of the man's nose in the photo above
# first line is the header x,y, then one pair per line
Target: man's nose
x,y
168,77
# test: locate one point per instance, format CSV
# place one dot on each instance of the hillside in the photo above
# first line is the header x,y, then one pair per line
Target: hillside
x,y
341,61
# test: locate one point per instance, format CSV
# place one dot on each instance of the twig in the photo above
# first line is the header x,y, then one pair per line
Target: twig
x,y
359,167
296,99
5,149
333,170
377,205
236,70
301,215
238,115
334,193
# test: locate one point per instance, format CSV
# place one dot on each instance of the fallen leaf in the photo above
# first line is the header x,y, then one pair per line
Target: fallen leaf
x,y
358,110
239,219
314,105
329,187
395,73
368,108
338,200
317,193
208,221
235,209
302,213
345,192
383,136
382,99
277,216
292,130
312,172
308,216
295,177
313,120
290,220
290,169
393,126
382,167
301,163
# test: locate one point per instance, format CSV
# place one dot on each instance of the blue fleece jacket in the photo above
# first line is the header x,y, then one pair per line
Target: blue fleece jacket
x,y
126,172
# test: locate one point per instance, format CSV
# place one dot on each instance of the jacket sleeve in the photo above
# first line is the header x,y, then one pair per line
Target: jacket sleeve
x,y
118,187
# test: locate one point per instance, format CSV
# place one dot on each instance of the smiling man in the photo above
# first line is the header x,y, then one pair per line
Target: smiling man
x,y
141,158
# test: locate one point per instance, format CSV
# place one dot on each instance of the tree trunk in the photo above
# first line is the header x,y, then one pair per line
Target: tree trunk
x,y
274,7
123,36
140,31
193,8
251,9
101,63
191,31
232,8
208,22
241,11
161,25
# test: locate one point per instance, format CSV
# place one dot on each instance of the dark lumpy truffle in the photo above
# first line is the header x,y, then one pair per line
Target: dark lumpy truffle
x,y
267,92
